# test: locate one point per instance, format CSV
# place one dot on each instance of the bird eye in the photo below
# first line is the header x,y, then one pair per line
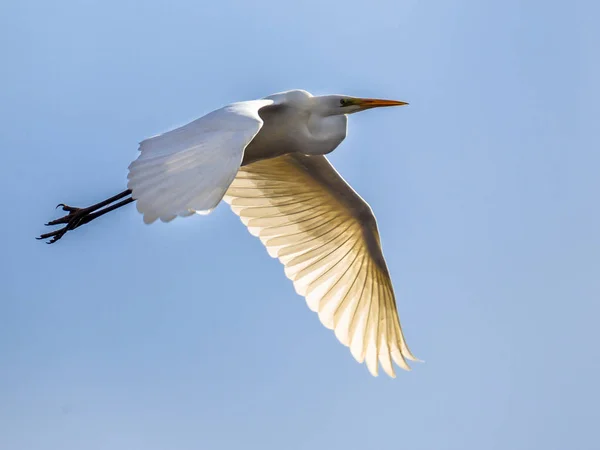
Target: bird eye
x,y
343,102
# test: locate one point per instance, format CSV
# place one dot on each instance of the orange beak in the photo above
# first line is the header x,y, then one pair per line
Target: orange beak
x,y
366,103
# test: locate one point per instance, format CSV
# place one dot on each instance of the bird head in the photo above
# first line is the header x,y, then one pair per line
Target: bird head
x,y
343,104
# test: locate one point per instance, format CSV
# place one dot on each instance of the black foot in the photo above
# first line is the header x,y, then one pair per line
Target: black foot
x,y
81,216
72,220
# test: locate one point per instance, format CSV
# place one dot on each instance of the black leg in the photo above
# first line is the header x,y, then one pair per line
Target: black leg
x,y
81,216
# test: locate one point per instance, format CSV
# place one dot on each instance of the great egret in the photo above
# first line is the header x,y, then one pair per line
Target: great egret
x,y
266,159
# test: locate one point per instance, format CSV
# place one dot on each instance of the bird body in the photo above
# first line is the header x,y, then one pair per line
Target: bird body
x,y
295,128
265,158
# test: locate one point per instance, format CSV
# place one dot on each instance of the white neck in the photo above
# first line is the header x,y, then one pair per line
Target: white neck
x,y
326,132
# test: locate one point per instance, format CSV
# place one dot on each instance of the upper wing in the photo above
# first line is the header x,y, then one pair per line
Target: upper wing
x,y
188,169
326,237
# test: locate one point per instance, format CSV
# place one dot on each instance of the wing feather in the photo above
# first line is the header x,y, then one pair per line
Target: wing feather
x,y
189,169
326,237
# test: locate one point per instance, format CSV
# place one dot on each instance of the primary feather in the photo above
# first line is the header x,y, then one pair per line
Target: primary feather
x,y
326,237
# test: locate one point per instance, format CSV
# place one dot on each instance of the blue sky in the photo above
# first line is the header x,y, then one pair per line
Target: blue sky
x,y
187,335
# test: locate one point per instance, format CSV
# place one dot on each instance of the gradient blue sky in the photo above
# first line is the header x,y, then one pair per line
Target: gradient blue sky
x,y
188,336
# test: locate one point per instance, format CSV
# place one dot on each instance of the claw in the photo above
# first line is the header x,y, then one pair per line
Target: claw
x,y
54,235
67,207
64,219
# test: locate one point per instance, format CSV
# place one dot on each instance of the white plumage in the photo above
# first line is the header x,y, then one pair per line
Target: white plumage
x,y
188,169
326,237
266,159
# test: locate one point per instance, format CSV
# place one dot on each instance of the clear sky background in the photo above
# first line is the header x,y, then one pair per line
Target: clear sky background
x,y
188,336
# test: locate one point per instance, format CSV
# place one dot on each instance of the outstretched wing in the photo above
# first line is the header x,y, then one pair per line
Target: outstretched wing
x,y
326,236
188,169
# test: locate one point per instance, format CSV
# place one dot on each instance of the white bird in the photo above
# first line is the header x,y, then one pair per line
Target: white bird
x,y
266,159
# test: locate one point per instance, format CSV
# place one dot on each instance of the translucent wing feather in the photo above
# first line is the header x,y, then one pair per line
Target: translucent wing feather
x,y
188,169
326,237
